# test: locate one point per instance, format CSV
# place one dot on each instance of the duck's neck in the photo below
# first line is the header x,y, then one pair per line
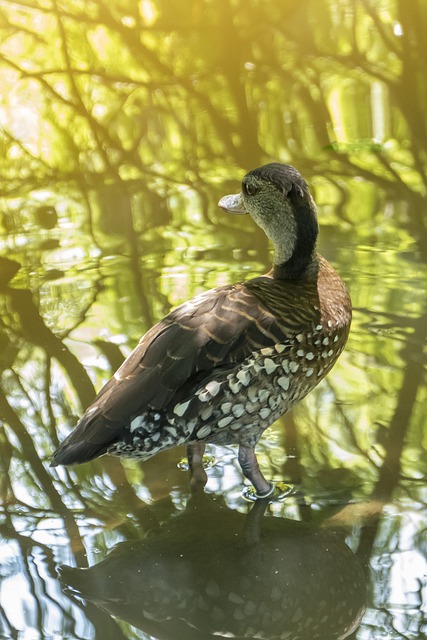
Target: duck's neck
x,y
295,256
296,269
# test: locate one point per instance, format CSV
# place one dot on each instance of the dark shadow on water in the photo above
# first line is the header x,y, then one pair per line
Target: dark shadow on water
x,y
212,572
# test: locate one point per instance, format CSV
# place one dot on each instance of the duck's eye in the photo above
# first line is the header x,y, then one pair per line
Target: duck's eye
x,y
249,189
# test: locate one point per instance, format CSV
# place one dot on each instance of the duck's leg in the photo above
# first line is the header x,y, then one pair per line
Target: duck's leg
x,y
198,477
249,464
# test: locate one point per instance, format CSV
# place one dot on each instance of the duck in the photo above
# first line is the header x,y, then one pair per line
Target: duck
x,y
225,365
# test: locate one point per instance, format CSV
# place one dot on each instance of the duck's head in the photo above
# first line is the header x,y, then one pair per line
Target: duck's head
x,y
277,198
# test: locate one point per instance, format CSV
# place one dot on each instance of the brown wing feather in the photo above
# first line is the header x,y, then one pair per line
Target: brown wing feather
x,y
218,328
197,336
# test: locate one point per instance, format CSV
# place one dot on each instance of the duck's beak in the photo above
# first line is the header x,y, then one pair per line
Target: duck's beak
x,y
233,203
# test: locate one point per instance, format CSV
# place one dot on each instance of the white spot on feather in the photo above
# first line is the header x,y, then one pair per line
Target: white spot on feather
x,y
136,423
213,387
267,351
238,410
243,376
181,408
284,382
203,432
191,424
263,395
234,386
225,421
270,366
264,413
280,348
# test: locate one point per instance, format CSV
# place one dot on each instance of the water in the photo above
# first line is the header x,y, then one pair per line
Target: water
x,y
122,126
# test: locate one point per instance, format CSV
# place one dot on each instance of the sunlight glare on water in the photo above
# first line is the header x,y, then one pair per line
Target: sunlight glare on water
x,y
121,128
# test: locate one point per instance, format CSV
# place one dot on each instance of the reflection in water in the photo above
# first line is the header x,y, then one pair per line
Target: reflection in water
x,y
121,125
214,573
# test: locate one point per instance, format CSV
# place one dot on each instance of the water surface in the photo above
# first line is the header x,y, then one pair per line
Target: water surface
x,y
121,127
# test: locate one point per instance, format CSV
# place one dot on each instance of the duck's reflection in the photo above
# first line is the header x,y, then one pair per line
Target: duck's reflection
x,y
215,573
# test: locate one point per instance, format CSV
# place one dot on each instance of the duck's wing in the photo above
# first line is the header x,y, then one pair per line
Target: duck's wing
x,y
218,328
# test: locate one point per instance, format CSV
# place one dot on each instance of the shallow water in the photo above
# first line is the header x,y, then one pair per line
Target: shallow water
x,y
116,148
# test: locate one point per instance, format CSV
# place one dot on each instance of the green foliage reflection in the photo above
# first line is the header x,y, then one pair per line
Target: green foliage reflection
x,y
121,124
